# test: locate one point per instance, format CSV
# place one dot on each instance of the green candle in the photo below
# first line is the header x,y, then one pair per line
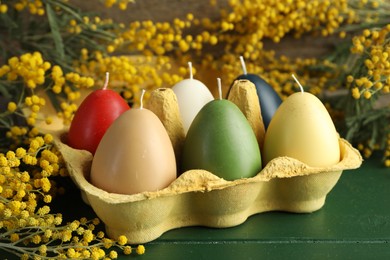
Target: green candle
x,y
221,141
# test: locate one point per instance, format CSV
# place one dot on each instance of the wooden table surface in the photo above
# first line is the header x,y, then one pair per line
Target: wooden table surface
x,y
353,224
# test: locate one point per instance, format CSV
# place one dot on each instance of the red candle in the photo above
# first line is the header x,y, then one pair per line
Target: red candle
x,y
95,114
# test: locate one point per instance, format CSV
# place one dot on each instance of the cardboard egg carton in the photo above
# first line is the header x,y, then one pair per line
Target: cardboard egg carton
x,y
200,198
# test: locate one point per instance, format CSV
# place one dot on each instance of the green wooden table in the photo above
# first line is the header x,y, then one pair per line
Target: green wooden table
x,y
353,224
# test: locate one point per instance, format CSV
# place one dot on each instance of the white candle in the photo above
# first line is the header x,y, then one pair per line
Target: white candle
x,y
191,95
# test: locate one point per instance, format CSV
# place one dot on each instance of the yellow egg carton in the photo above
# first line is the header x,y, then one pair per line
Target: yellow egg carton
x,y
200,198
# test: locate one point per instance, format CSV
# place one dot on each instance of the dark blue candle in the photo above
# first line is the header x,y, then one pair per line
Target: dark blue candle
x,y
268,98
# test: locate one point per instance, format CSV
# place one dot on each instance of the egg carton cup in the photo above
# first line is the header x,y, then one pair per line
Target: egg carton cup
x,y
200,198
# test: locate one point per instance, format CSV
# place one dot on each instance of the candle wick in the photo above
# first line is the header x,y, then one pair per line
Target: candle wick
x,y
142,97
106,81
190,69
243,65
299,84
219,88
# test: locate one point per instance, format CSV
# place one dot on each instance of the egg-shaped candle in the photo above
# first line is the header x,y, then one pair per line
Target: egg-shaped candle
x,y
135,155
221,141
302,128
191,95
268,98
93,117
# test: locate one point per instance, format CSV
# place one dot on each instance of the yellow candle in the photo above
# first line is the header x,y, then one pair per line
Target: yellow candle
x,y
302,128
